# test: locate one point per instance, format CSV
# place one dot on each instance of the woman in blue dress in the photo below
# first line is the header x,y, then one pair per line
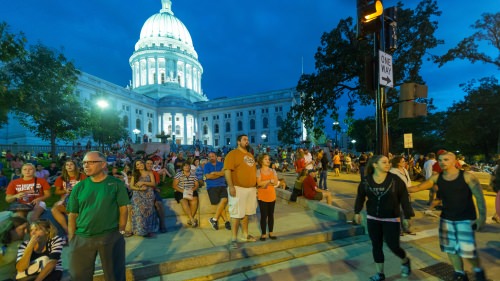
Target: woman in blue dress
x,y
142,184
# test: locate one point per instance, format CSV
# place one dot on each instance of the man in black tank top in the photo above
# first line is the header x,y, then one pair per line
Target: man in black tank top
x,y
458,218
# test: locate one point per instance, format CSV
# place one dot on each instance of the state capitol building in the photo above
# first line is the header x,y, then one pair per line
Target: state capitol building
x,y
165,95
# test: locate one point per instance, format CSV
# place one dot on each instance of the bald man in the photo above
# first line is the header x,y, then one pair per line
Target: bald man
x,y
458,218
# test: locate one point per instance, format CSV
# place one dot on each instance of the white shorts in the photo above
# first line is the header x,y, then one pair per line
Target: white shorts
x,y
244,203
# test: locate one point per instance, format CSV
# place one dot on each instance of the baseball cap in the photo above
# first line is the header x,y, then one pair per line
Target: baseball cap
x,y
441,151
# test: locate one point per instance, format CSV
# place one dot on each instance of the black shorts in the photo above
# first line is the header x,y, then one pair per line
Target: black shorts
x,y
179,195
216,193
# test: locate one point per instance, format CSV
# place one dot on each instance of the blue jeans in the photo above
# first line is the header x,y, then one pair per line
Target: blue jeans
x,y
322,179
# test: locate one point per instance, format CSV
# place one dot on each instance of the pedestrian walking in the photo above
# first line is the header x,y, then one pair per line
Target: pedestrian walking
x,y
386,194
458,216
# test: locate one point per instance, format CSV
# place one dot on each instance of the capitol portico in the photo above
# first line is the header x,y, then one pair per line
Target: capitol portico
x,y
165,95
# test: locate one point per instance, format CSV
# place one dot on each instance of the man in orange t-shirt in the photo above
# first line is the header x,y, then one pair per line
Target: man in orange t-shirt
x,y
241,176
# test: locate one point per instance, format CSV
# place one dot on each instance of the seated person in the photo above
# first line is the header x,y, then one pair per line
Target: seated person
x,y
285,166
71,175
43,244
28,193
185,185
311,190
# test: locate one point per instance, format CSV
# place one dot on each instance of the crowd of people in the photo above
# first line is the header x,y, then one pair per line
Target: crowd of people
x,y
238,183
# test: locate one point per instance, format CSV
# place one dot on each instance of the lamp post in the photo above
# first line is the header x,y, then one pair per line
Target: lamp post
x,y
353,145
102,104
136,132
336,128
173,148
263,137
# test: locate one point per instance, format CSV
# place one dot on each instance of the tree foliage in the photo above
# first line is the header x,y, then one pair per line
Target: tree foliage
x,y
340,64
474,123
46,103
488,30
11,47
105,124
289,131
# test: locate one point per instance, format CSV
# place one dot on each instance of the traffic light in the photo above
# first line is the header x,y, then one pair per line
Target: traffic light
x,y
408,108
390,29
368,12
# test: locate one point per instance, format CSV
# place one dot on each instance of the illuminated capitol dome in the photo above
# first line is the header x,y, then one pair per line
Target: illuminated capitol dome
x,y
165,55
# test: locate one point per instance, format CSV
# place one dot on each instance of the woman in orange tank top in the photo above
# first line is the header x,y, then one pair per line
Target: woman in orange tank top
x,y
267,180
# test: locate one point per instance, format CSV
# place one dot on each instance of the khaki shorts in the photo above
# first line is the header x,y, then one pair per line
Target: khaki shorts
x,y
244,203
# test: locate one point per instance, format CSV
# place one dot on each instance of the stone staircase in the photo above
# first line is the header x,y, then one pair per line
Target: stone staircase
x,y
304,227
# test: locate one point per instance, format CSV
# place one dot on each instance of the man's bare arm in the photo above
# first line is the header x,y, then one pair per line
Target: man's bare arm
x,y
477,192
428,184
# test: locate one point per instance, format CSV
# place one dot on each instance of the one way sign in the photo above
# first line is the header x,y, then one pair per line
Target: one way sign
x,y
385,69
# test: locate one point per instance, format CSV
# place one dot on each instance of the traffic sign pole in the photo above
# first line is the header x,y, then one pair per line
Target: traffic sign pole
x,y
381,120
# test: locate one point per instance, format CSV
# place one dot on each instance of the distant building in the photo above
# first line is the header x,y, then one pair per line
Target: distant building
x,y
165,95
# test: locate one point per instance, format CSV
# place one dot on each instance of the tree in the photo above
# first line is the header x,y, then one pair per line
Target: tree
x,y
11,48
47,105
488,29
473,124
289,131
106,125
340,64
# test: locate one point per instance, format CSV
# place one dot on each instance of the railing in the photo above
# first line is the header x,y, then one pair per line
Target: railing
x,y
37,149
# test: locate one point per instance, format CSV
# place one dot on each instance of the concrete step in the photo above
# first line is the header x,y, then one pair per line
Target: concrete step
x,y
238,266
192,260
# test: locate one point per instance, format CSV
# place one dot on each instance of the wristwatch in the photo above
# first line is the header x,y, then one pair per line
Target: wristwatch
x,y
122,232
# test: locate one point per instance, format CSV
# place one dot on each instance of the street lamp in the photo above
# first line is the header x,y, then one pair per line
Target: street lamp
x,y
136,132
263,137
353,145
102,104
335,126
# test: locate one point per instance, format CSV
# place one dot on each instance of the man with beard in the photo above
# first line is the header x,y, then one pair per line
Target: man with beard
x,y
458,217
217,189
241,177
97,217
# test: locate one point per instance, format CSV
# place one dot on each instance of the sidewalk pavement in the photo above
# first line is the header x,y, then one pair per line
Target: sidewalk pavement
x,y
342,257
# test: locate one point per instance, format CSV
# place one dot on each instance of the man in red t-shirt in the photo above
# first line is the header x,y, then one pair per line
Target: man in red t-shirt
x,y
311,190
24,191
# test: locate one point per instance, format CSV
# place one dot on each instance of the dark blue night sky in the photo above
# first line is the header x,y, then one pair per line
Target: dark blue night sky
x,y
244,46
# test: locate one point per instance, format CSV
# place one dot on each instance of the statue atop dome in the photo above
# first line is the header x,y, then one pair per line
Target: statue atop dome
x,y
166,7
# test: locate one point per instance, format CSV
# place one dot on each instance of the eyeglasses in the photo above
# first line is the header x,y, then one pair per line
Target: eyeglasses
x,y
91,162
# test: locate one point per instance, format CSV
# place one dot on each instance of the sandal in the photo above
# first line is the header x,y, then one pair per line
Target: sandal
x,y
127,234
262,238
272,237
249,238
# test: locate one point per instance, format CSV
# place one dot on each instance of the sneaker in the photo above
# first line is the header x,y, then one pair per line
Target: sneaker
x,y
459,276
377,277
227,225
195,223
479,275
406,269
233,244
214,223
